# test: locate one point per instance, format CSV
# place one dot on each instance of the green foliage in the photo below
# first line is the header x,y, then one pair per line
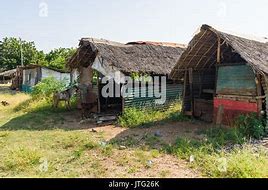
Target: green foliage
x,y
134,117
57,58
140,77
223,136
47,87
10,53
250,126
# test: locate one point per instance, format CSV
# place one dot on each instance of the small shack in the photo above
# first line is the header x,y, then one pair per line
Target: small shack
x,y
99,58
28,76
6,76
225,75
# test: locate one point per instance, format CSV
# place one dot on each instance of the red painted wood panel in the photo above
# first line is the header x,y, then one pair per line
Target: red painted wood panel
x,y
236,105
232,109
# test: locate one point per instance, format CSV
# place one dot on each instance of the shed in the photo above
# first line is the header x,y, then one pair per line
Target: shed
x,y
99,58
6,76
225,75
28,76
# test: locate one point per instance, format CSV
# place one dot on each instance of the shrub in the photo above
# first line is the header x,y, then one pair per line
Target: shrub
x,y
135,117
250,126
223,136
47,87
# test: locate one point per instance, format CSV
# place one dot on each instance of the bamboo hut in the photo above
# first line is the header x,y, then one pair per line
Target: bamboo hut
x,y
225,75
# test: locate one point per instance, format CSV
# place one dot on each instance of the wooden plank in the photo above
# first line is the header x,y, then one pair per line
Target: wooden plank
x,y
219,115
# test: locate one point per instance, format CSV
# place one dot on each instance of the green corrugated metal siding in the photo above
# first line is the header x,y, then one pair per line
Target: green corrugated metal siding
x,y
236,80
173,93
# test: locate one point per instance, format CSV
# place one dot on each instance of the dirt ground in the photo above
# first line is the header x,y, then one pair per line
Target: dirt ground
x,y
167,165
130,161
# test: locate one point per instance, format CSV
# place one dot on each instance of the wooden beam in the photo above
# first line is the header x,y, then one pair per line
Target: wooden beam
x,y
191,89
196,53
184,90
193,47
98,93
219,50
205,54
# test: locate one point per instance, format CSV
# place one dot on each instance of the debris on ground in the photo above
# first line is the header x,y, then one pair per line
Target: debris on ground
x,y
5,103
157,134
107,118
121,147
94,130
103,143
191,159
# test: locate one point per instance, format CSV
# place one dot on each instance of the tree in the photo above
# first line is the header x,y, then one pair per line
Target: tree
x,y
10,53
57,58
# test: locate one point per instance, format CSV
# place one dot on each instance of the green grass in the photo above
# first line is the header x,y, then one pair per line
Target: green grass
x,y
213,159
33,143
134,117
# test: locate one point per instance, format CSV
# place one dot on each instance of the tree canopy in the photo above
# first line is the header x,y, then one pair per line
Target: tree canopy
x,y
11,50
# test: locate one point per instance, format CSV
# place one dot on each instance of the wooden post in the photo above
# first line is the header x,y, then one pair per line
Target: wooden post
x,y
191,89
219,50
98,94
184,90
219,115
266,98
259,93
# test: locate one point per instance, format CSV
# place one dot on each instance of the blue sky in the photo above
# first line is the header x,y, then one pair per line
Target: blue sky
x,y
66,21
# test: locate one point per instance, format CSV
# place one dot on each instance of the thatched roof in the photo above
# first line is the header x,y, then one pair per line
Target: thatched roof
x,y
145,57
202,51
33,66
8,73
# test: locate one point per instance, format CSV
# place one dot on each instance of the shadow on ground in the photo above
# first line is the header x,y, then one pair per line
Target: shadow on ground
x,y
47,119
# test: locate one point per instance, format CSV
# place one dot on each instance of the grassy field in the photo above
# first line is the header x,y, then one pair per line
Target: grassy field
x,y
37,141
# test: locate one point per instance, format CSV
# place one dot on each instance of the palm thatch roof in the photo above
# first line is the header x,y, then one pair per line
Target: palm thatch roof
x,y
144,57
8,73
202,51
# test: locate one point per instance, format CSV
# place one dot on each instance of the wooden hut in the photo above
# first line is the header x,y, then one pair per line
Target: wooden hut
x,y
6,76
224,75
97,58
28,76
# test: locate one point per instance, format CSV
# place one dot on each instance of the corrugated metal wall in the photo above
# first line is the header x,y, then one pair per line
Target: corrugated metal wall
x,y
173,93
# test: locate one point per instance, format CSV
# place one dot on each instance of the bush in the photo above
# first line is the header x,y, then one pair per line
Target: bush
x,y
135,117
47,87
224,136
250,126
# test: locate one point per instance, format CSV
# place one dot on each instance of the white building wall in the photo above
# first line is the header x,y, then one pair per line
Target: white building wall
x,y
29,77
51,73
